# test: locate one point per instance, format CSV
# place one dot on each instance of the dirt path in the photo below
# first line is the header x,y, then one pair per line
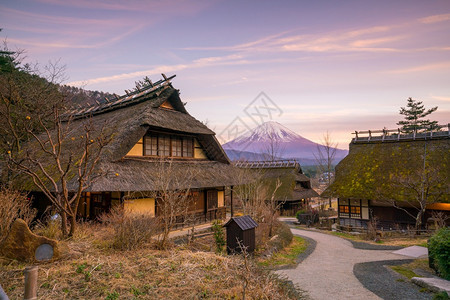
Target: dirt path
x,y
328,272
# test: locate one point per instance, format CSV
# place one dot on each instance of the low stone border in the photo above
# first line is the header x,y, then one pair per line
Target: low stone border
x,y
436,285
387,284
367,246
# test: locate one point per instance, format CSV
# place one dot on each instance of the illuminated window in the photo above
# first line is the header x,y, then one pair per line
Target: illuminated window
x,y
344,209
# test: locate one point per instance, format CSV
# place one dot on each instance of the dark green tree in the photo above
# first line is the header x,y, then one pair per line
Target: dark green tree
x,y
414,113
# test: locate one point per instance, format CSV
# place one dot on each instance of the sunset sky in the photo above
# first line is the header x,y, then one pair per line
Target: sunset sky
x,y
339,66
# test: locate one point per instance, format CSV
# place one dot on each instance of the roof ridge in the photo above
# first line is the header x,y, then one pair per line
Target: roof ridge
x,y
130,98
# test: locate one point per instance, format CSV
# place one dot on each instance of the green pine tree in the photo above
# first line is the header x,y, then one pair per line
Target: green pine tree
x,y
414,113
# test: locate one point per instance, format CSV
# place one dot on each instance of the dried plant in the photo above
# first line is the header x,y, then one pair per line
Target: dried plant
x,y
13,205
131,229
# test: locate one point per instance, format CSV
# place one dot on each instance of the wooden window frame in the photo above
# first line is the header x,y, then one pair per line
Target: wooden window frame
x,y
171,137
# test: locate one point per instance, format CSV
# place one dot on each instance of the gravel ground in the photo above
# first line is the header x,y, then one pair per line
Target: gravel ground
x,y
382,281
327,273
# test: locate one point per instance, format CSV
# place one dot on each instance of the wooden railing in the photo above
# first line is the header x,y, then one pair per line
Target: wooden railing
x,y
392,135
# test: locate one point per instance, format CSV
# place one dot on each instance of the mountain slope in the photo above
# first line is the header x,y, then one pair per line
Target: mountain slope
x,y
275,139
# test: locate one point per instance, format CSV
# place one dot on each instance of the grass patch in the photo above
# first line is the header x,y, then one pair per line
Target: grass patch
x,y
407,270
354,237
287,256
408,273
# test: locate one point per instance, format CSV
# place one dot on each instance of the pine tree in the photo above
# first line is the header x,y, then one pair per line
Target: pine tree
x,y
414,114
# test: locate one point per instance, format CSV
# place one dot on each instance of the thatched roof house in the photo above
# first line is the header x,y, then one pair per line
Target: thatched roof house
x,y
295,190
384,170
150,129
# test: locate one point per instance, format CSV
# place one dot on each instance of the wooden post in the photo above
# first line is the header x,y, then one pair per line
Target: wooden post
x,y
31,276
231,200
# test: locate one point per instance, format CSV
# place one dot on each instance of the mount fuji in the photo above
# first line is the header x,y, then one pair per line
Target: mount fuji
x,y
278,141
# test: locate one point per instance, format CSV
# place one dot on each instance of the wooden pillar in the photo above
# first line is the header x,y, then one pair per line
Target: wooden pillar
x,y
31,276
231,200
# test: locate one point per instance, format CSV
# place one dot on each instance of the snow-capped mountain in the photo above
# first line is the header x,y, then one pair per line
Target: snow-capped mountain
x,y
274,139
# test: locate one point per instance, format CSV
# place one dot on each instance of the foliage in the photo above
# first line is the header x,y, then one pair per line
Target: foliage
x,y
13,205
414,112
441,296
439,252
219,236
131,230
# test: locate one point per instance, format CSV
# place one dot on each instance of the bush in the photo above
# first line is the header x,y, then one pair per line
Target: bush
x,y
219,236
439,252
13,205
283,237
50,228
131,229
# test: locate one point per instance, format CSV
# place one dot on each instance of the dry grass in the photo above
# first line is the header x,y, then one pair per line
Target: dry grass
x,y
13,205
92,269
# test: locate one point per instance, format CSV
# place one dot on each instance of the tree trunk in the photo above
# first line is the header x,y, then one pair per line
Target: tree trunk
x,y
419,221
63,216
73,224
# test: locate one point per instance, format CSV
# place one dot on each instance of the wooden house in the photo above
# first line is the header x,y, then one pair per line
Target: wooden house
x,y
386,172
150,129
295,191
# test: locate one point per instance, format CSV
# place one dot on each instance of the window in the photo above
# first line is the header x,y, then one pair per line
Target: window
x,y
151,145
164,145
176,147
212,199
355,212
343,209
188,147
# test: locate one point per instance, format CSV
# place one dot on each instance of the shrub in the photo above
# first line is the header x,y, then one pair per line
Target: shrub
x,y
219,236
439,252
131,229
50,228
13,205
283,237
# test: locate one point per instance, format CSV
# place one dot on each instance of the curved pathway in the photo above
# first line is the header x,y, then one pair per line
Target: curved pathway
x,y
328,272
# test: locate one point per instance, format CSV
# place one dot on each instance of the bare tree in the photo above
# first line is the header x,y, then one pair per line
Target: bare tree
x,y
58,156
61,165
259,196
273,150
173,196
325,156
251,192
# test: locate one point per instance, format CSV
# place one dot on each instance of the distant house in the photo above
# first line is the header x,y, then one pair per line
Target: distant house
x,y
151,127
383,175
295,191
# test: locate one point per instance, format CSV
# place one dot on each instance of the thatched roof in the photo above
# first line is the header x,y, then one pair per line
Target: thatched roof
x,y
379,170
126,121
295,184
